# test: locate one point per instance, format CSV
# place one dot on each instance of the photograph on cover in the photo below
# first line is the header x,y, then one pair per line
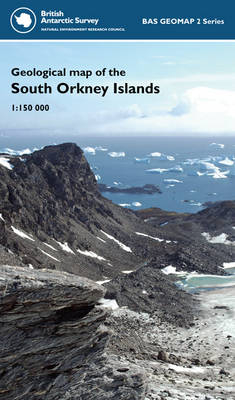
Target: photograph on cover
x,y
117,164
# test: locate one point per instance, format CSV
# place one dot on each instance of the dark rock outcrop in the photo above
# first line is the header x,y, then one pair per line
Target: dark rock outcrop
x,y
149,290
146,189
53,345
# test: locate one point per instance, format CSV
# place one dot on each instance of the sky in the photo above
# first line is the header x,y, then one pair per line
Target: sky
x,y
196,79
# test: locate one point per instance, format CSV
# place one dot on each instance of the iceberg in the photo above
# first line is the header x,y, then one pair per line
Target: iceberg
x,y
90,150
142,160
117,154
226,161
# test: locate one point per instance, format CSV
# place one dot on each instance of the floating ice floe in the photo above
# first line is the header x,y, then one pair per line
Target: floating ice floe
x,y
226,161
123,246
124,204
115,154
207,168
219,174
219,145
196,204
65,247
176,169
142,160
173,181
220,239
5,163
48,255
21,234
155,154
162,156
157,170
100,148
97,177
137,204
91,254
51,247
107,303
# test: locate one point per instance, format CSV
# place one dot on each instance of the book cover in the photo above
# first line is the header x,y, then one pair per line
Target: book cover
x,y
117,210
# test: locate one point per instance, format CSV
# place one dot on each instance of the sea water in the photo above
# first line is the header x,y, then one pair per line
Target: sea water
x,y
190,172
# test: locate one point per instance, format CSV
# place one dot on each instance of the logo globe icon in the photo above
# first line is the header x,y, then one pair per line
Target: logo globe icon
x,y
23,20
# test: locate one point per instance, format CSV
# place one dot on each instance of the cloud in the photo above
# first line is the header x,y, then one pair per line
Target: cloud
x,y
169,63
201,110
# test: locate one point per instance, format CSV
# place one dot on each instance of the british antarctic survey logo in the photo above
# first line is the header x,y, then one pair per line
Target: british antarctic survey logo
x,y
23,20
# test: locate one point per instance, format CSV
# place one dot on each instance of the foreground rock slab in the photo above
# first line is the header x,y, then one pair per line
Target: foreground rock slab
x,y
52,341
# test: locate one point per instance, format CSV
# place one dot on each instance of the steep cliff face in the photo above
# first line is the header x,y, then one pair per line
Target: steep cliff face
x,y
51,196
53,345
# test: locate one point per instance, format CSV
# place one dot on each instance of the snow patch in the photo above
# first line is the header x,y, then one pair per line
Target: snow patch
x,y
194,370
127,272
107,303
154,238
123,246
1,217
102,240
5,163
172,270
102,282
51,247
22,234
222,238
228,265
91,254
65,247
48,255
